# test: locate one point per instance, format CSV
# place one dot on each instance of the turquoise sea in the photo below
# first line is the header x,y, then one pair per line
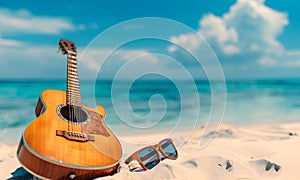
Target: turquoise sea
x,y
156,104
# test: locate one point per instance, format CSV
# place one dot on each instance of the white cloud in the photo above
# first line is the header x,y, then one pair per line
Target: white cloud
x,y
33,61
25,61
267,61
22,21
9,42
247,34
256,24
213,27
133,53
102,54
108,61
14,53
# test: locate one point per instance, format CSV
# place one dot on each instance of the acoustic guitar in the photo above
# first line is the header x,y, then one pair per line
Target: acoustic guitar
x,y
68,140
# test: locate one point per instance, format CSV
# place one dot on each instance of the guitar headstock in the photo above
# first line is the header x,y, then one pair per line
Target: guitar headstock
x,y
66,45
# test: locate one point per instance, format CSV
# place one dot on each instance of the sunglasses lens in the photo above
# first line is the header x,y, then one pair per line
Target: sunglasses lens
x,y
149,157
169,148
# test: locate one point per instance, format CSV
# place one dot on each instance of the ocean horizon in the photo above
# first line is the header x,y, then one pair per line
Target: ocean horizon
x,y
156,104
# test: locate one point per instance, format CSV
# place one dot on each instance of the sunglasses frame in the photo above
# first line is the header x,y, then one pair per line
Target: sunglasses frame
x,y
158,148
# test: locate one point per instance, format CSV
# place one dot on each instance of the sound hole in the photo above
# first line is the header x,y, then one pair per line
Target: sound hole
x,y
74,114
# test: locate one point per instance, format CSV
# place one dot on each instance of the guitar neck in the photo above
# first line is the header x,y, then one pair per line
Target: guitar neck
x,y
73,88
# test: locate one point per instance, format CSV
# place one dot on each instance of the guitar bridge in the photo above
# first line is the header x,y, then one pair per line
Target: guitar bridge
x,y
75,136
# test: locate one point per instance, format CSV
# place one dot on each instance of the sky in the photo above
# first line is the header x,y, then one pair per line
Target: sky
x,y
249,38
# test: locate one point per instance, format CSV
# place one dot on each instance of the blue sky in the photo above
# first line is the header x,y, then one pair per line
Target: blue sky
x,y
251,38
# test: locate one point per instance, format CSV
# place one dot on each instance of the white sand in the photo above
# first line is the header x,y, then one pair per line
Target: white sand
x,y
237,152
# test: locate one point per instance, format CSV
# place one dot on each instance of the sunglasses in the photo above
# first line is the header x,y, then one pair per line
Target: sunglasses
x,y
149,156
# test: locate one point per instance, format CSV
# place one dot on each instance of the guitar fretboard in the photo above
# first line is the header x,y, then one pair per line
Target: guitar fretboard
x,y
73,88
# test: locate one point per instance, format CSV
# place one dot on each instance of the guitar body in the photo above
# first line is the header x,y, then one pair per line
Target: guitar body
x,y
49,150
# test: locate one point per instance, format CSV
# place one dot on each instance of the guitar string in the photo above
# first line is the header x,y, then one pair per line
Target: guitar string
x,y
79,112
68,96
77,115
76,109
71,109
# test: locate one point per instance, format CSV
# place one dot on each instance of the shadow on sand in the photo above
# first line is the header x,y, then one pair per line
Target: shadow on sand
x,y
21,174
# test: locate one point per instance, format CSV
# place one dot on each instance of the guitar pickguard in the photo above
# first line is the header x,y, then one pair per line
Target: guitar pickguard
x,y
96,126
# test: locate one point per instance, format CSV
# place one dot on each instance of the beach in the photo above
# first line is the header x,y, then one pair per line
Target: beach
x,y
221,79
258,137
269,151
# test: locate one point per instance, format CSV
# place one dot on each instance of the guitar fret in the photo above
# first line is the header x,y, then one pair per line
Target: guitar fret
x,y
72,72
74,90
69,73
75,99
72,97
72,66
72,63
72,56
78,105
78,101
72,59
75,104
72,69
73,86
72,76
74,83
71,52
73,93
73,79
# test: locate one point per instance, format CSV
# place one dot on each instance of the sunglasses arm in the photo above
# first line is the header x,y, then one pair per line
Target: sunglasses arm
x,y
128,160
